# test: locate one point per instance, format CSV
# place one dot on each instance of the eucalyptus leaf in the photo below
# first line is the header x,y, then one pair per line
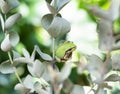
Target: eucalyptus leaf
x,y
67,86
39,89
30,69
12,20
28,82
53,75
108,66
21,88
113,78
12,3
58,27
102,91
52,9
55,26
42,91
2,22
37,86
33,54
4,7
114,9
77,89
116,62
44,56
46,21
22,60
105,35
95,66
65,71
62,3
17,61
6,68
15,54
38,68
10,41
25,53
42,82
8,5
111,14
32,83
45,75
97,11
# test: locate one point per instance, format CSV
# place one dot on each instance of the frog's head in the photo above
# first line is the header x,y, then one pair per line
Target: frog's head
x,y
64,50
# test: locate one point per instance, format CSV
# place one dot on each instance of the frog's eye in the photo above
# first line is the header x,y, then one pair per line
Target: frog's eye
x,y
68,54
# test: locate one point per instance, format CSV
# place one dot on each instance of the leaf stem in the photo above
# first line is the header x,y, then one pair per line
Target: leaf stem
x,y
53,48
105,64
15,70
55,3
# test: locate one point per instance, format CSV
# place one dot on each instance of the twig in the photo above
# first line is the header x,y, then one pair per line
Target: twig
x,y
15,70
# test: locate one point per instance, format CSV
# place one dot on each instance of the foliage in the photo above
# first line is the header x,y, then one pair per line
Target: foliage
x,y
45,76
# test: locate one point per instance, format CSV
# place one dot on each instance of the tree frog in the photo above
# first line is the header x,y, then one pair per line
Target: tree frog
x,y
64,51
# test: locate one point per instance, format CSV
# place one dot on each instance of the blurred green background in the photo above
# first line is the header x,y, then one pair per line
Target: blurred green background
x,y
83,34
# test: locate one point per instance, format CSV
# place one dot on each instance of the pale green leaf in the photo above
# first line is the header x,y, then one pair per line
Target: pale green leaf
x,y
67,86
97,11
25,53
22,60
8,5
114,9
6,68
41,81
10,41
39,90
102,91
2,22
38,68
116,62
77,89
16,62
21,88
108,66
4,6
15,54
28,82
14,38
105,35
62,3
51,8
12,20
33,54
113,78
44,56
46,21
65,71
12,3
30,69
45,75
58,27
95,66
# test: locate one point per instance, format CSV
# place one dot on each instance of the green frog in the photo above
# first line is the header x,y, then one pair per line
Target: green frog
x,y
65,50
